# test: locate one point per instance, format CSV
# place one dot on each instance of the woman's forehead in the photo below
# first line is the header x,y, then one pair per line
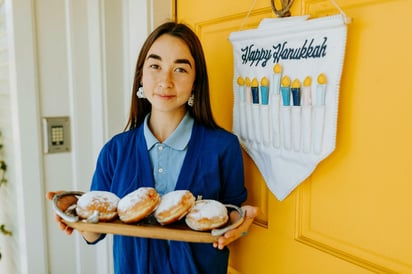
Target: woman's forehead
x,y
168,46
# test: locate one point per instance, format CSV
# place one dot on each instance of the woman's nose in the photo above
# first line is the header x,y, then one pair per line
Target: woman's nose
x,y
165,78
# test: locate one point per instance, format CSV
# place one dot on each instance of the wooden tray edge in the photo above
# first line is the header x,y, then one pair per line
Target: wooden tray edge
x,y
175,233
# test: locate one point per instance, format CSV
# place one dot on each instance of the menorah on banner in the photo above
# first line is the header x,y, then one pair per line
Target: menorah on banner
x,y
286,88
267,109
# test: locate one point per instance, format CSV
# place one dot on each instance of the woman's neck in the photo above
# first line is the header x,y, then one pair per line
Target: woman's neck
x,y
163,124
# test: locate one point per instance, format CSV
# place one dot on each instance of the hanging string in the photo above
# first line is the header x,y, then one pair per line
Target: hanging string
x,y
285,9
346,19
248,14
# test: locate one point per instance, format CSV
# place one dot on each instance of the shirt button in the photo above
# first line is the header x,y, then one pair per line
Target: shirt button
x,y
160,147
160,170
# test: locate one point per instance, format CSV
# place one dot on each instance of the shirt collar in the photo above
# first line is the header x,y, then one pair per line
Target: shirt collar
x,y
178,140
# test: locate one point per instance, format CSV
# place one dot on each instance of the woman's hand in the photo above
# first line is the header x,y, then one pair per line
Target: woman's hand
x,y
250,213
63,204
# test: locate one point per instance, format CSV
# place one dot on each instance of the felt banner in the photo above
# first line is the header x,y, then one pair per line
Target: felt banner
x,y
286,91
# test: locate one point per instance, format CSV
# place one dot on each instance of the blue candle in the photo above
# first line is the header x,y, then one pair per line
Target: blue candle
x,y
264,90
255,91
285,90
296,92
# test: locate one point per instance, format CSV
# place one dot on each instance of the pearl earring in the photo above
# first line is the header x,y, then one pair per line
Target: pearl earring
x,y
140,93
191,100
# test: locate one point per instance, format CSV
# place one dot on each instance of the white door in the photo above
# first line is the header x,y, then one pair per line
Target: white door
x,y
67,58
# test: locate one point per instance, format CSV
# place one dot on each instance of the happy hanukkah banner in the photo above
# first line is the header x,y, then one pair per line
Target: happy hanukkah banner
x,y
286,87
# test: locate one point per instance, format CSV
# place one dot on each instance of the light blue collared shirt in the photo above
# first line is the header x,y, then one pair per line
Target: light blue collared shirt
x,y
167,157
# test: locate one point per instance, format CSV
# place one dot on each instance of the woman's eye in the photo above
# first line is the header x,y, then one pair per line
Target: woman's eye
x,y
180,69
154,66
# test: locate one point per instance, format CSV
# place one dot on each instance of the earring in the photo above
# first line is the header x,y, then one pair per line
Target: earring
x,y
140,93
191,100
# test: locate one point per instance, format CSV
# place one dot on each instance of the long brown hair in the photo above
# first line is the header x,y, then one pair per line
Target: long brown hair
x,y
201,110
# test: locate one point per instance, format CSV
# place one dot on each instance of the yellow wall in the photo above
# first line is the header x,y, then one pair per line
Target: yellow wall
x,y
354,213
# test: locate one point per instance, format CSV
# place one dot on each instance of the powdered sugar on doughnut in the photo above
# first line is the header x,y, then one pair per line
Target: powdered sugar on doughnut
x,y
132,198
207,215
97,197
171,199
174,206
208,209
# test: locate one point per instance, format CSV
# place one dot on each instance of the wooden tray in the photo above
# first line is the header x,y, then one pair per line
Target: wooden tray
x,y
148,229
176,232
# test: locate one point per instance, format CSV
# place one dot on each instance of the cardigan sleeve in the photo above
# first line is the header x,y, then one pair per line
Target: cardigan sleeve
x,y
213,167
103,173
233,187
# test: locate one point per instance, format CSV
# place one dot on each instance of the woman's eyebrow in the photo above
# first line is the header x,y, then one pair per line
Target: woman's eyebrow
x,y
154,56
183,61
177,61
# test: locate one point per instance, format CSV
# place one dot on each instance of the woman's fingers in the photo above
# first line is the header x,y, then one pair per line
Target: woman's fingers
x,y
250,213
63,203
50,195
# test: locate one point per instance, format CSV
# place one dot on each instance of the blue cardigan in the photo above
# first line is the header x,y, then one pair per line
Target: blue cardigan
x,y
213,168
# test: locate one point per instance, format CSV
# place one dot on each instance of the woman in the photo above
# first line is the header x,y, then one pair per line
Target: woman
x,y
172,142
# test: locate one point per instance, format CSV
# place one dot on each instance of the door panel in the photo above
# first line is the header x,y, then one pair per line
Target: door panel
x,y
222,96
353,214
356,203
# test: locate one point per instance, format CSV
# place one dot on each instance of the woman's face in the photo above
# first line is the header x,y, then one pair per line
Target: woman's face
x,y
168,74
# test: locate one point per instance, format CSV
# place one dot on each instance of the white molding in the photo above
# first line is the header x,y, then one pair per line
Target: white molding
x,y
88,95
85,110
27,137
97,71
136,28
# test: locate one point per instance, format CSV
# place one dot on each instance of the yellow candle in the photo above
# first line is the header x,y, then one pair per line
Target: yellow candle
x,y
248,91
285,81
277,74
255,82
241,91
307,91
296,83
247,81
322,79
240,81
321,89
277,68
307,82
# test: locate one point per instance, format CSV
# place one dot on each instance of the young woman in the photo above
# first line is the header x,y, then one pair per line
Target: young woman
x,y
172,142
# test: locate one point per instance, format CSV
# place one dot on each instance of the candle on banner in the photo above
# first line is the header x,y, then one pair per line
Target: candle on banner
x,y
321,90
307,114
242,108
307,91
285,90
319,114
249,118
265,113
276,76
264,90
255,109
296,92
